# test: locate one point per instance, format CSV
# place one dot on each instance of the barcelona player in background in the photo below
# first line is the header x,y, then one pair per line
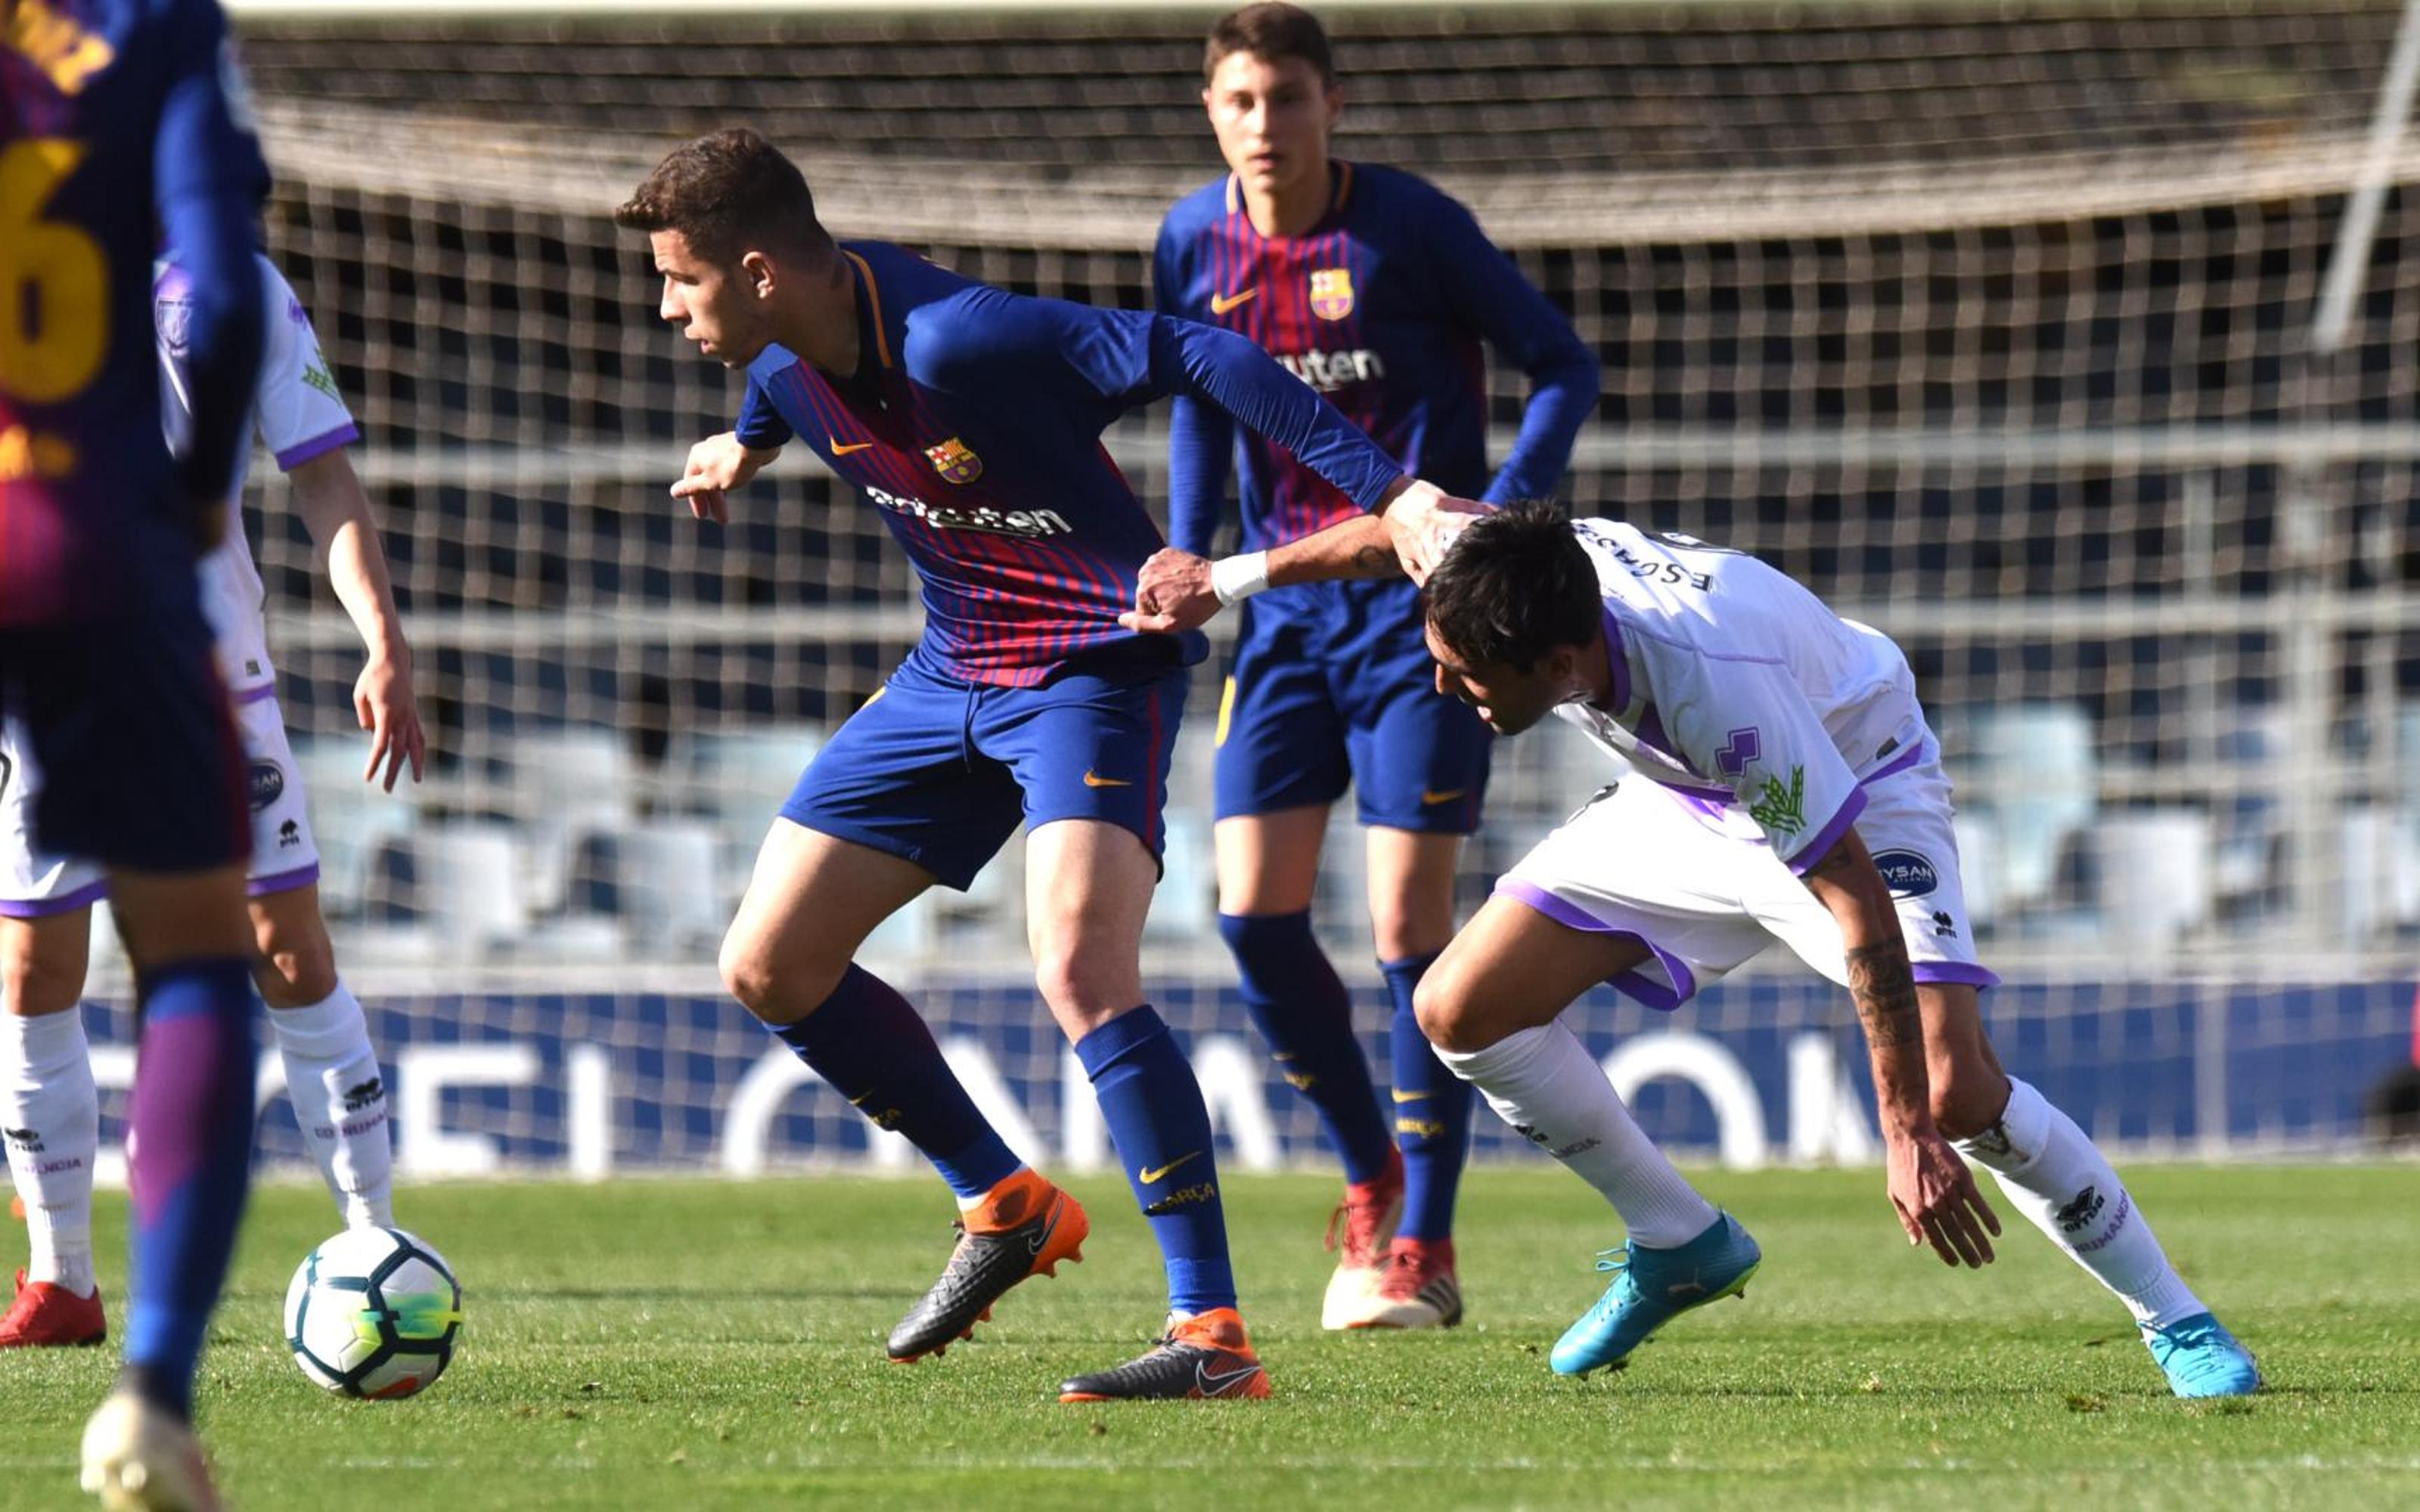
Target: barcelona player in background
x,y
120,116
970,419
1378,291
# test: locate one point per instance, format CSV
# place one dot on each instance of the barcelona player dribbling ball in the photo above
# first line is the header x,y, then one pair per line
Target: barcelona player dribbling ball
x,y
969,419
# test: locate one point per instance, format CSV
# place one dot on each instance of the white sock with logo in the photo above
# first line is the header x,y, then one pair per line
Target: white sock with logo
x,y
50,1118
2052,1173
339,1098
1546,1085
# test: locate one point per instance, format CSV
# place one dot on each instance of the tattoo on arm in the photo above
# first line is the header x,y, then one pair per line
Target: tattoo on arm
x,y
1884,987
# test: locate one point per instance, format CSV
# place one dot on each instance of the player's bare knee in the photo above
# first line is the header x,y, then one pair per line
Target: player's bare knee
x,y
33,985
297,965
1968,1101
1447,1013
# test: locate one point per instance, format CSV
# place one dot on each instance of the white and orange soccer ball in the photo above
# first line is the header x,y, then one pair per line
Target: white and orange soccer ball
x,y
373,1312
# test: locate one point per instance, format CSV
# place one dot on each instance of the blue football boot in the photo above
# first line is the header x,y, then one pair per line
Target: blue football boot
x,y
2200,1358
1651,1288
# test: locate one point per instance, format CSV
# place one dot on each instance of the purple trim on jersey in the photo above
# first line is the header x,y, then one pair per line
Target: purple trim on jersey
x,y
258,693
294,457
1829,836
84,897
1897,764
1957,973
301,876
1618,660
1646,989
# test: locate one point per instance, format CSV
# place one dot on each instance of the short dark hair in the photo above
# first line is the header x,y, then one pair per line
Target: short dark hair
x,y
1513,586
1269,32
727,194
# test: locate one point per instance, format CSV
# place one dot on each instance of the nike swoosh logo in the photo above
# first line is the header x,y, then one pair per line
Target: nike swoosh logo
x,y
1093,779
1153,1173
1446,797
1221,303
1215,1382
838,450
1405,1097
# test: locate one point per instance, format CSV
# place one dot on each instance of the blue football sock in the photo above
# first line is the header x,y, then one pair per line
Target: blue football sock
x,y
872,1047
1306,1016
1432,1113
190,1130
1157,1119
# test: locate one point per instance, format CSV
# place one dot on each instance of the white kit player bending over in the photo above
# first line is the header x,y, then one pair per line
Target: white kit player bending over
x,y
1779,751
49,1107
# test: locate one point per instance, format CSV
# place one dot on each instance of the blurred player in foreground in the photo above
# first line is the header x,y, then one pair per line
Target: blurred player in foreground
x,y
1377,290
49,1106
1788,788
116,116
970,419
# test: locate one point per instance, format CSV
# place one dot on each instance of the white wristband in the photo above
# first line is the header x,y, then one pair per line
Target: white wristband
x,y
1237,579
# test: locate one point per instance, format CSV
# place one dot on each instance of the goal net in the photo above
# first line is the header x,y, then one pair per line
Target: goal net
x,y
1990,324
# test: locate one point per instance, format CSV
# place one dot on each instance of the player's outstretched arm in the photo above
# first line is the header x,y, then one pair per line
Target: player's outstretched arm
x,y
717,465
1182,591
328,494
1929,1186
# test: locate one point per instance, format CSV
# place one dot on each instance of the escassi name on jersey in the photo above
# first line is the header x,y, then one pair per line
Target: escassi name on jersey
x,y
1029,522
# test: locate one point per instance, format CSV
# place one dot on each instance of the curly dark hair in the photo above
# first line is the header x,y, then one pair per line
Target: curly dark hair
x,y
1513,586
727,195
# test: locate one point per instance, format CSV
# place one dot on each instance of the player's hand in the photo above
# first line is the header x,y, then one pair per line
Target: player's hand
x,y
717,465
384,706
1422,521
1173,593
1937,1199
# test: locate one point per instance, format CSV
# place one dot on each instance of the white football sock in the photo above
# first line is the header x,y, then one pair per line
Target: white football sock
x,y
1546,1085
339,1096
51,1113
2052,1173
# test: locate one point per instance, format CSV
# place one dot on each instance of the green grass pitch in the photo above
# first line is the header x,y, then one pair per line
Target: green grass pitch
x,y
661,1344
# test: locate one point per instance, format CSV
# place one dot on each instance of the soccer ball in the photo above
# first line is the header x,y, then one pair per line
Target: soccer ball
x,y
373,1312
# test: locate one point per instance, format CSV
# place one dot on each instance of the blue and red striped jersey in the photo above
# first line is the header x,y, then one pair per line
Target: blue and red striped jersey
x,y
973,426
119,116
1383,308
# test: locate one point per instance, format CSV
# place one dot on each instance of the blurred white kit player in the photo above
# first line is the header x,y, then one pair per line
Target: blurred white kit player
x,y
48,1102
1765,726
1784,785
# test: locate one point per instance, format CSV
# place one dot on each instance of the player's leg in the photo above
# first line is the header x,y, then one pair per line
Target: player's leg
x,y
1281,766
2047,1167
332,1072
50,1118
887,809
323,1038
1631,892
2049,1170
1420,763
1089,754
1089,887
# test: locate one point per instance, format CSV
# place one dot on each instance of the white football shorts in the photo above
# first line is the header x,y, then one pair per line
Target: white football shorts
x,y
283,855
1704,893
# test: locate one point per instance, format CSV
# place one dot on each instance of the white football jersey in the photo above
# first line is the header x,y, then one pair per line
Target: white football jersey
x,y
1739,690
297,414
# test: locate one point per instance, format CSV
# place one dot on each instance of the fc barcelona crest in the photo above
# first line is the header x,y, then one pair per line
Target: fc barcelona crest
x,y
955,460
1331,293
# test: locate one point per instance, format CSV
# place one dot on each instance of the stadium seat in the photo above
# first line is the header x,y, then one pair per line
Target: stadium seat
x,y
469,883
349,818
2031,766
667,886
2156,880
566,783
1977,837
2379,877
